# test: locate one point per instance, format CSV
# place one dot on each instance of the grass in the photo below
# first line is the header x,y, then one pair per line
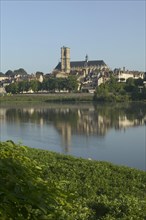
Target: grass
x,y
56,97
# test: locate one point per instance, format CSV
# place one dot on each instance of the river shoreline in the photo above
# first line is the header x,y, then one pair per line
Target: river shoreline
x,y
49,97
59,98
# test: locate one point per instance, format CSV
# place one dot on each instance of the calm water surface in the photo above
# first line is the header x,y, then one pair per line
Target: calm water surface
x,y
115,133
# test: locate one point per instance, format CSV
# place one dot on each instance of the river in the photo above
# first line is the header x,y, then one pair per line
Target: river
x,y
105,132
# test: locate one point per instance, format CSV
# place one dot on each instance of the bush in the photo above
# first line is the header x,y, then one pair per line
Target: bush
x,y
37,184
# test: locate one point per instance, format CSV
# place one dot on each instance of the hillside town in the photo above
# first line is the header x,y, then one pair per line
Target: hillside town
x,y
89,74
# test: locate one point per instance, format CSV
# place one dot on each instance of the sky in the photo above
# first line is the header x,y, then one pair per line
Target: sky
x,y
33,32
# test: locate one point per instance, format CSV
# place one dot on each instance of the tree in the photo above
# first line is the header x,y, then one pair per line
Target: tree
x,y
130,81
34,85
144,93
139,82
72,83
20,71
9,73
12,88
2,74
130,85
61,83
135,94
23,86
52,84
144,76
38,73
45,85
112,84
102,90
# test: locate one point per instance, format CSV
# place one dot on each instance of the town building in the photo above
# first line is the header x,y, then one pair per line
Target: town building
x,y
122,75
88,72
85,67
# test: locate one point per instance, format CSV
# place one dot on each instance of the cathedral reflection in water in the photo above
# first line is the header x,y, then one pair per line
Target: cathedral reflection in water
x,y
87,120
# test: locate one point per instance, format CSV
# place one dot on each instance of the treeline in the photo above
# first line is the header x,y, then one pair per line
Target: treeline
x,y
11,73
132,89
51,85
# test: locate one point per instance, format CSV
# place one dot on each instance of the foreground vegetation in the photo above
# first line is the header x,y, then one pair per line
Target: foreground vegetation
x,y
38,184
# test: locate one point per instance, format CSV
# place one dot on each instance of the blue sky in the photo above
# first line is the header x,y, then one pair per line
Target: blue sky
x,y
32,33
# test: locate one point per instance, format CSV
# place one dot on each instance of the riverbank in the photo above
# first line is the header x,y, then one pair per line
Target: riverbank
x,y
49,97
38,184
66,98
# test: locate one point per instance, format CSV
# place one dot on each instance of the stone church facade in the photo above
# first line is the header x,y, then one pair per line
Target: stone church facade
x,y
89,73
85,67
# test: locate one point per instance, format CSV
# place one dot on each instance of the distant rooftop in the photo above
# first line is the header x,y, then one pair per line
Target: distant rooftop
x,y
83,64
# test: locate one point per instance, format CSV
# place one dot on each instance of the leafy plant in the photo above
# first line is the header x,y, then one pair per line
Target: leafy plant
x,y
38,184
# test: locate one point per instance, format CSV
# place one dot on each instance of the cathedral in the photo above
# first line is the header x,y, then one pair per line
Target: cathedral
x,y
84,68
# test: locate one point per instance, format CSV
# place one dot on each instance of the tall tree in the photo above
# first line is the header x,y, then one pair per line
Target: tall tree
x,y
9,73
20,71
72,83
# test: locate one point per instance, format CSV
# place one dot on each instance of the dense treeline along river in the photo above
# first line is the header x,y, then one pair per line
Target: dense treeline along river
x,y
109,132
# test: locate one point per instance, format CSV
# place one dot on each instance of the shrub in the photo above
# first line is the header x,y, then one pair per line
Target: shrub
x,y
38,184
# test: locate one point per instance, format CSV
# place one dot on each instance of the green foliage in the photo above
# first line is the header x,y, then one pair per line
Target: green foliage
x,y
139,82
27,193
50,97
23,86
37,184
61,84
34,85
72,84
50,85
52,82
20,71
2,74
9,73
12,88
38,73
113,91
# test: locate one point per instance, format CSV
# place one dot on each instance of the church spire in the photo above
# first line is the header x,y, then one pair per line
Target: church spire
x,y
86,58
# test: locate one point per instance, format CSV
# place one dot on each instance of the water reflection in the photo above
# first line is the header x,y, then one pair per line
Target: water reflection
x,y
86,120
93,121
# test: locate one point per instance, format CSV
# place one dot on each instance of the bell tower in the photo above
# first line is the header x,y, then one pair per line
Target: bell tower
x,y
65,59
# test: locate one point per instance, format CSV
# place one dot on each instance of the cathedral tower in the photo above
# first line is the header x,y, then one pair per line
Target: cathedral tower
x,y
65,59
